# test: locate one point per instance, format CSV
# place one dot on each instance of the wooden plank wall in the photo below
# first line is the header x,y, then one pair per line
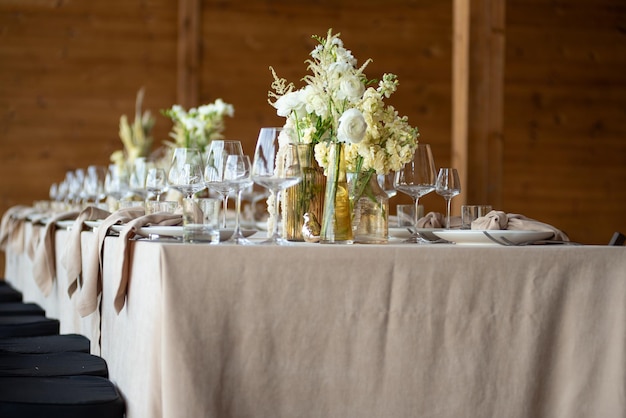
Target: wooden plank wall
x,y
565,115
69,69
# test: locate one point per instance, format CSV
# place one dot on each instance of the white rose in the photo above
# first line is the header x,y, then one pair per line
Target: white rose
x,y
350,88
288,103
352,126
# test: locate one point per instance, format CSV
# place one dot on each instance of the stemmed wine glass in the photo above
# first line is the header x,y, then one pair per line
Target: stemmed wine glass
x,y
417,179
237,177
156,181
218,153
276,169
185,174
448,185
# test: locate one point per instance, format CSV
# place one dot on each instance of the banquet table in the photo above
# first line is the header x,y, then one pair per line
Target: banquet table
x,y
394,330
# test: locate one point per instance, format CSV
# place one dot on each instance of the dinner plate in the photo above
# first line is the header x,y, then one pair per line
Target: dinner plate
x,y
403,233
93,224
477,236
177,231
66,224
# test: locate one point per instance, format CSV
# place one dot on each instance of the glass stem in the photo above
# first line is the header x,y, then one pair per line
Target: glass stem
x,y
448,200
224,209
237,231
275,235
416,215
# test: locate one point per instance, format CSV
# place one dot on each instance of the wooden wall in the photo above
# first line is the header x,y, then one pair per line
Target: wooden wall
x,y
70,69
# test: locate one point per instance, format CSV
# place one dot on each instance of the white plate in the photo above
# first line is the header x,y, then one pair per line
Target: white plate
x,y
93,224
474,236
177,231
67,224
404,233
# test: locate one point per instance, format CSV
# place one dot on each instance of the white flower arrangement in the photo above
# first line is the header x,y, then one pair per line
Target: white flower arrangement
x,y
136,138
197,127
339,104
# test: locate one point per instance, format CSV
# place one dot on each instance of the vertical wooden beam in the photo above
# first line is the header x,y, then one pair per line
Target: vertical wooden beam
x,y
460,92
485,104
189,14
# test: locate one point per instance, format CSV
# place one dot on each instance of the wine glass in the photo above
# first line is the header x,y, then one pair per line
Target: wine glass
x,y
417,179
185,174
156,181
218,153
237,177
116,182
386,183
448,185
276,169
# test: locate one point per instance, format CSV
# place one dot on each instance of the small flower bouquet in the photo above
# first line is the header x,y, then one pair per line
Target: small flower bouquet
x,y
136,138
197,127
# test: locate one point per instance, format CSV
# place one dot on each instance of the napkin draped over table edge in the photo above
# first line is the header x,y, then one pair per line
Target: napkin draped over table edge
x,y
72,258
134,219
12,228
44,263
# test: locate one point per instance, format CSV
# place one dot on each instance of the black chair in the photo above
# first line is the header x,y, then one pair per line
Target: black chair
x,y
60,397
45,344
27,326
20,308
52,364
8,293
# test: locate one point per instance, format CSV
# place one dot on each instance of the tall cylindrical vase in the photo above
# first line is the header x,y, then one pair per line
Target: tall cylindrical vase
x,y
336,227
305,197
370,220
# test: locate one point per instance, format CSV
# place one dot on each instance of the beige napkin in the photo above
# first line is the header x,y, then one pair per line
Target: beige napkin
x,y
497,219
92,274
129,232
438,220
44,265
72,257
12,228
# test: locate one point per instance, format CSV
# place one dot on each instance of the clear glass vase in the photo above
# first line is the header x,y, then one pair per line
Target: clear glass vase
x,y
336,227
305,197
370,220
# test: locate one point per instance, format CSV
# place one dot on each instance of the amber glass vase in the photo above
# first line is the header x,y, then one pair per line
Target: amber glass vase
x,y
305,197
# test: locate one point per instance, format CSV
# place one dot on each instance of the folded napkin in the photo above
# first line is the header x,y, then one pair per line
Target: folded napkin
x,y
438,220
72,257
12,228
44,265
127,233
92,274
515,222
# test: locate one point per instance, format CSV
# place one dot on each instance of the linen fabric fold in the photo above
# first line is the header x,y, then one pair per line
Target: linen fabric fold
x,y
438,220
497,219
126,234
72,258
44,264
12,228
92,273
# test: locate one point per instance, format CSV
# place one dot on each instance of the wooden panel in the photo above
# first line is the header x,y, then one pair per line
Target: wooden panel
x,y
411,39
565,115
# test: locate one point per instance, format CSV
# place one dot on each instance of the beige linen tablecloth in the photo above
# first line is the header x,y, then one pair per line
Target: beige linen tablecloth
x,y
379,331
366,331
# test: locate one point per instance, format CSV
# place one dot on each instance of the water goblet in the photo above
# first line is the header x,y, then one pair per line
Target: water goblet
x,y
417,179
448,185
156,182
237,176
276,169
185,174
218,153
